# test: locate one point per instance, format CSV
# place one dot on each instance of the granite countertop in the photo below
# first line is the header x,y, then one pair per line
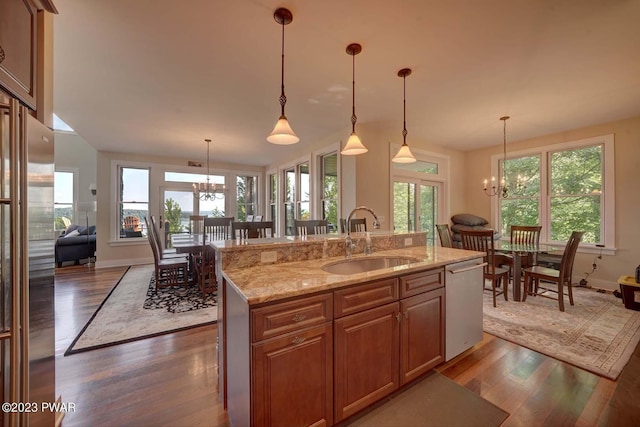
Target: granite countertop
x,y
272,282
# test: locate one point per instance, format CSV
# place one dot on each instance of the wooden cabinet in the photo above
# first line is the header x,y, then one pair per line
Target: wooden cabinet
x,y
292,363
366,358
18,48
293,379
422,334
317,360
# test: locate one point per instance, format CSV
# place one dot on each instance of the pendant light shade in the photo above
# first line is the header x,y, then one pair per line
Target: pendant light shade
x,y
354,146
404,154
282,133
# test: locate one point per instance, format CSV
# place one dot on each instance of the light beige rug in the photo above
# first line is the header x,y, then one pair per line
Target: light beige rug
x,y
434,401
597,333
121,317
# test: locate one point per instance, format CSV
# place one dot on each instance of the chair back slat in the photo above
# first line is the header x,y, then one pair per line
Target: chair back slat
x,y
311,226
358,225
218,228
569,255
526,235
252,230
481,241
152,242
444,233
196,224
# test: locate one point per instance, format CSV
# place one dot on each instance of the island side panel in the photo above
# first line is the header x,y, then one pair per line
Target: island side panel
x,y
237,356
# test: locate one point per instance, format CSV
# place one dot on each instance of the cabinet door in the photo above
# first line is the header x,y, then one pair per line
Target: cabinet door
x,y
18,46
366,358
422,334
293,379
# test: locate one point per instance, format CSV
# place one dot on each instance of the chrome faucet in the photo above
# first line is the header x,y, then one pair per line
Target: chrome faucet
x,y
348,243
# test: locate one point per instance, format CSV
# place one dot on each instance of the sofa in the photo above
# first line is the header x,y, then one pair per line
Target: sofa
x,y
75,243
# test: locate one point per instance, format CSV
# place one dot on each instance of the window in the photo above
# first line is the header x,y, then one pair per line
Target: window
x,y
133,201
329,196
522,206
296,196
63,199
564,187
418,192
247,196
273,195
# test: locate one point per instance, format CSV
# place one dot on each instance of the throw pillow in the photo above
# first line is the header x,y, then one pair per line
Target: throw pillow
x,y
71,234
468,219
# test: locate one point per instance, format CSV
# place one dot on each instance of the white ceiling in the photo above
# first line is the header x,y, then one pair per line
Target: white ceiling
x,y
160,76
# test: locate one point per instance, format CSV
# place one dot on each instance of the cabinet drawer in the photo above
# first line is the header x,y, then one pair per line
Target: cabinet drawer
x,y
358,298
413,284
285,317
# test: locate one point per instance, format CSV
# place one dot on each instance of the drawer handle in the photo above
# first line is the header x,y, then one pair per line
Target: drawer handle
x,y
299,317
398,317
298,340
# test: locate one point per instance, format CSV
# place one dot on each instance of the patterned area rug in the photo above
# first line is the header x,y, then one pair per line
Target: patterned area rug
x,y
132,312
597,333
177,299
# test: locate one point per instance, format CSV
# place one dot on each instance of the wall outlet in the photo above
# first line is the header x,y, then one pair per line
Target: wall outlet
x,y
408,241
268,256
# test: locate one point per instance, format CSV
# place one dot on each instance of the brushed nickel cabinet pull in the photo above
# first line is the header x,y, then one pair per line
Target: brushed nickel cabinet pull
x,y
398,317
298,340
299,317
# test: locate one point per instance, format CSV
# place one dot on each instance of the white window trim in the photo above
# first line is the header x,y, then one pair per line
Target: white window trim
x,y
76,189
608,196
156,182
316,180
443,176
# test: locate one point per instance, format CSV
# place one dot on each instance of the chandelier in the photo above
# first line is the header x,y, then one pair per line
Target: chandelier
x,y
500,188
208,190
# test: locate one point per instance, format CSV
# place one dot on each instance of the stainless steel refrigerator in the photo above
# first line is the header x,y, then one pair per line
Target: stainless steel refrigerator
x,y
27,335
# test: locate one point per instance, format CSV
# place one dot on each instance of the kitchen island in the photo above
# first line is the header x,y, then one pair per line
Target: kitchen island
x,y
303,346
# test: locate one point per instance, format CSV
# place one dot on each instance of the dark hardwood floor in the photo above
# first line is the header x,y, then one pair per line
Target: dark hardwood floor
x,y
171,380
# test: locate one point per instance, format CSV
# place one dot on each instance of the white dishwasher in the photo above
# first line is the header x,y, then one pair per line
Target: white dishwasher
x,y
464,282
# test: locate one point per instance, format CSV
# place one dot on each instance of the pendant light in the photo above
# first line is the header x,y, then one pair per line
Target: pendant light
x,y
354,145
404,154
282,133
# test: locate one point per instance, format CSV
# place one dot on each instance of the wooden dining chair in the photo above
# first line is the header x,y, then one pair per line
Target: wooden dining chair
x,y
311,226
218,228
444,233
358,225
482,241
205,270
251,230
196,224
533,275
528,235
168,271
153,228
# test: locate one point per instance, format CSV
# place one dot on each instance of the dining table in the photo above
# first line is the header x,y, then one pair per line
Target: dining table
x,y
517,251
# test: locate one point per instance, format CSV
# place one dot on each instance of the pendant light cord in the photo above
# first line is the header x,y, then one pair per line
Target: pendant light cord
x,y
283,97
404,110
353,93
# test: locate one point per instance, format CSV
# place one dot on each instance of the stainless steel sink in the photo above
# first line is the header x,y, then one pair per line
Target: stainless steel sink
x,y
370,263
